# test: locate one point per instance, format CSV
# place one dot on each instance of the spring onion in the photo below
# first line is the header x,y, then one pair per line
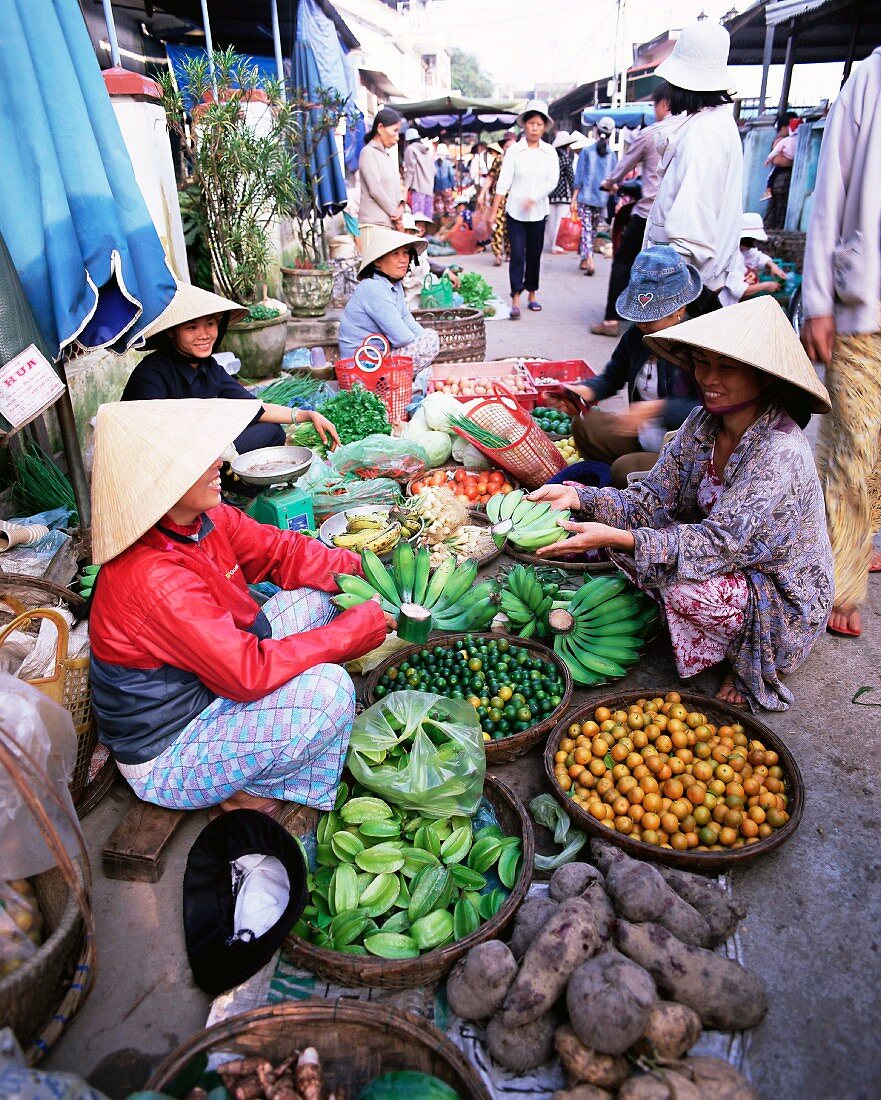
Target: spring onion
x,y
480,435
40,486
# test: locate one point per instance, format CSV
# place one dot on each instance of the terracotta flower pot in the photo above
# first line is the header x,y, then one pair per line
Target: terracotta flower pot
x,y
307,290
260,345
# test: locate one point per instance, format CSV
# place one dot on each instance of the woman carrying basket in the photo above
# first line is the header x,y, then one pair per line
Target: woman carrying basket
x,y
379,304
728,530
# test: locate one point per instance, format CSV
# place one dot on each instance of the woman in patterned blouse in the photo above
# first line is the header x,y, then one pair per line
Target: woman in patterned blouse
x,y
728,530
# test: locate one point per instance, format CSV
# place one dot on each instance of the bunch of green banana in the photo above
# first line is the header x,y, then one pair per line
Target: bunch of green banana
x,y
449,593
603,629
374,531
527,523
527,603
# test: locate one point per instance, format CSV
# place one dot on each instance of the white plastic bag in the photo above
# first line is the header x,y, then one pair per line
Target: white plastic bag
x,y
31,722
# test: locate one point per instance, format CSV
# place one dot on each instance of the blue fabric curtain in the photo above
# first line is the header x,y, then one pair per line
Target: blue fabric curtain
x,y
330,186
71,212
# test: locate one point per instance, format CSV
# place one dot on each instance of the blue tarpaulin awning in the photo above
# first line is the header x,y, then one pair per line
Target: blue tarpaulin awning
x,y
632,116
71,212
329,185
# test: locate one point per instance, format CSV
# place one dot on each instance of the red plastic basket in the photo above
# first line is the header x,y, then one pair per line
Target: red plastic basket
x,y
390,377
561,370
530,454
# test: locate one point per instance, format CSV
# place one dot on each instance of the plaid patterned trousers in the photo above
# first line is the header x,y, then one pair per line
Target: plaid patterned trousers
x,y
290,745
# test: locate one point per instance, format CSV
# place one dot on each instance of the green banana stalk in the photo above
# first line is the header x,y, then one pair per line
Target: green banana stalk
x,y
457,585
421,571
438,582
404,567
377,575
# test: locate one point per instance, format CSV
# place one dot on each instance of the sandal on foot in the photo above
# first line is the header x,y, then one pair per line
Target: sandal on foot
x,y
842,633
535,307
514,315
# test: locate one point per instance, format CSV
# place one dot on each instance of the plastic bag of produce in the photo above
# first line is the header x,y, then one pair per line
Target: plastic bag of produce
x,y
381,456
335,492
420,751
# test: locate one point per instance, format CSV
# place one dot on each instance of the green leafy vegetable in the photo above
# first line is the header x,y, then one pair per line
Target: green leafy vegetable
x,y
355,413
262,313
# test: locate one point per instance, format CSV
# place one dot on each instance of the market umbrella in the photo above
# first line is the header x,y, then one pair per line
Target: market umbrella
x,y
632,116
74,220
329,184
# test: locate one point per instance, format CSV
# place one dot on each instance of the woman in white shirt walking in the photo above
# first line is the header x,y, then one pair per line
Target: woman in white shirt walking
x,y
698,207
530,172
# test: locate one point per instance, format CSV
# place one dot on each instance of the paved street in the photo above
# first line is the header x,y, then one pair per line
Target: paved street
x,y
812,930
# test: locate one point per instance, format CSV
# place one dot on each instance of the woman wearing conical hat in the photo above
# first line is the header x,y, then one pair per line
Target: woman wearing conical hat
x,y
379,304
181,363
203,697
728,530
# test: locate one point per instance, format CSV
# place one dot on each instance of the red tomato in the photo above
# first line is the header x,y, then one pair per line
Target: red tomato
x,y
470,490
438,478
465,499
481,487
460,474
496,478
417,485
506,488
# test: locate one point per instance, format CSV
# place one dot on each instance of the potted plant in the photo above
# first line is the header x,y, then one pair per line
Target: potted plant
x,y
307,278
239,139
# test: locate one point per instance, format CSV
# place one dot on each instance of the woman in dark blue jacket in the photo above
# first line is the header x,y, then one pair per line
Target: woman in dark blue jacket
x,y
663,290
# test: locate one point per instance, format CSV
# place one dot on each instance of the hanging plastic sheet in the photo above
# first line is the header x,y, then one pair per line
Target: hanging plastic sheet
x,y
71,212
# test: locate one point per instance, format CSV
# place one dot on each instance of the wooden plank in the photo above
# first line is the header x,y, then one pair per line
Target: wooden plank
x,y
135,851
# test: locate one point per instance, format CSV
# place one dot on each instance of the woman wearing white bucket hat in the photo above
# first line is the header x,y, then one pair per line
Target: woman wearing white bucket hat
x,y
697,209
727,531
530,172
204,698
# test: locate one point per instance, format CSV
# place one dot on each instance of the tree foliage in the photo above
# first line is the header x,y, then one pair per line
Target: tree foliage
x,y
467,75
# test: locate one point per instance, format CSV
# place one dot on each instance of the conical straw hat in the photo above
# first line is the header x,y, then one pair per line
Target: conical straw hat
x,y
188,303
755,332
147,454
382,240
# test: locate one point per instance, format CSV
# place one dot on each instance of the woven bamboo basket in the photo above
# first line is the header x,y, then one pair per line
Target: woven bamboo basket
x,y
39,999
506,749
69,682
721,714
462,333
356,1042
425,970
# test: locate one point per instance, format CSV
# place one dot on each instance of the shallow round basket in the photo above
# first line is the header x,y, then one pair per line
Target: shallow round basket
x,y
31,996
336,524
478,519
369,970
506,749
688,860
462,333
450,471
356,1042
592,567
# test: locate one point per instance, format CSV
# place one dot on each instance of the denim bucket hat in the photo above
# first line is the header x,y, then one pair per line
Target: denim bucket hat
x,y
660,283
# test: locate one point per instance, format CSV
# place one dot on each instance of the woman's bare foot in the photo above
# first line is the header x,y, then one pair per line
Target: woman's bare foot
x,y
875,562
241,800
845,620
728,693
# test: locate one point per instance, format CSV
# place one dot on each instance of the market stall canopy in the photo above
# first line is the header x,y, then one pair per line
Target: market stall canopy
x,y
328,184
434,116
71,212
632,116
827,30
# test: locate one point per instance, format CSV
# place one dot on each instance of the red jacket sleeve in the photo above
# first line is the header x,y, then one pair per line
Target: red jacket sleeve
x,y
187,628
286,558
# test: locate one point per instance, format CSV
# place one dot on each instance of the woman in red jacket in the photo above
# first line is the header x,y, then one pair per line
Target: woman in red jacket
x,y
203,697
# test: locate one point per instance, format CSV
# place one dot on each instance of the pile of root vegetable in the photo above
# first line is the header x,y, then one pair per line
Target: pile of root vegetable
x,y
614,970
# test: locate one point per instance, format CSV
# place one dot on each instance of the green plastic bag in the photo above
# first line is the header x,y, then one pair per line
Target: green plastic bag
x,y
436,293
422,752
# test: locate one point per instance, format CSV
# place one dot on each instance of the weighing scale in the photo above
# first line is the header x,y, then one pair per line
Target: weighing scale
x,y
282,504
